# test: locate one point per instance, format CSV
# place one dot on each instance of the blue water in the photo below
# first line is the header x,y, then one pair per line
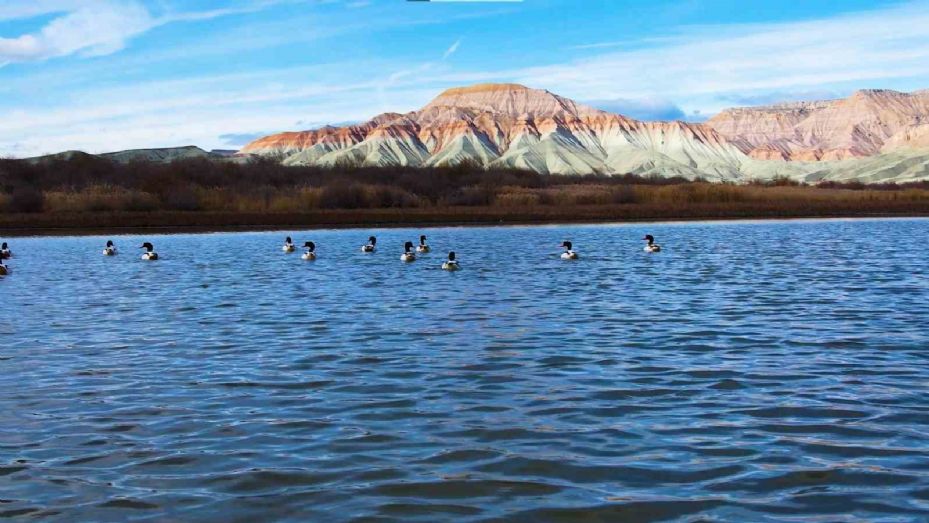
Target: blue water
x,y
772,371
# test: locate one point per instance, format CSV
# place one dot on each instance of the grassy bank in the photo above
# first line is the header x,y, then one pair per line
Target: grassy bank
x,y
84,194
193,221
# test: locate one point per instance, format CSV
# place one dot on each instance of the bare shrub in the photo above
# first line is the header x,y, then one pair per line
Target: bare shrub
x,y
179,198
26,199
342,196
517,198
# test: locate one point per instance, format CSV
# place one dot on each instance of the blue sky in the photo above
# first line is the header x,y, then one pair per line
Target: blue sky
x,y
102,75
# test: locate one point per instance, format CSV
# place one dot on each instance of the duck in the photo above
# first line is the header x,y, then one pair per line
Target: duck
x,y
310,253
5,252
422,247
288,245
370,246
4,270
110,249
568,254
652,246
408,254
451,264
149,253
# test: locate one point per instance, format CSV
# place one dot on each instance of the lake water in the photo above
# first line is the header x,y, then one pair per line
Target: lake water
x,y
750,372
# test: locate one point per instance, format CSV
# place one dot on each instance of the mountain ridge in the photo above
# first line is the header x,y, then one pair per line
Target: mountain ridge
x,y
511,125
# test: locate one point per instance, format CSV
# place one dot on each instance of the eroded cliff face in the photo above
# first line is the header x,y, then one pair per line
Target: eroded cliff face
x,y
510,125
865,124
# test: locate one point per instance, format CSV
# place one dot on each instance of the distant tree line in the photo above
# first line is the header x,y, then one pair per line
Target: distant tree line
x,y
90,183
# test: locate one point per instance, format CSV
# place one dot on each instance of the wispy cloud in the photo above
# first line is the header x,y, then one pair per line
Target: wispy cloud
x,y
639,42
451,50
91,27
867,47
18,9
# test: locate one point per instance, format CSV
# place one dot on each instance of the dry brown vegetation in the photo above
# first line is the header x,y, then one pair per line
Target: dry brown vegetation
x,y
86,191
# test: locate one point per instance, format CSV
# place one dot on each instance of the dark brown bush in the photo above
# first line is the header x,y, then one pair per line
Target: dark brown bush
x,y
179,198
26,199
343,196
471,196
623,194
384,197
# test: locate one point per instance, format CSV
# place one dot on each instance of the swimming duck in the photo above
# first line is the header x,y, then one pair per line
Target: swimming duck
x,y
422,247
408,254
4,270
369,247
310,253
568,254
110,249
5,251
288,245
451,264
149,253
652,246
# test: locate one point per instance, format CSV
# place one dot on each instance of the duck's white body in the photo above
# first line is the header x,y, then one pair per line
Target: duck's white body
x,y
309,256
109,251
423,248
367,248
6,253
569,255
449,265
150,256
408,257
651,246
288,247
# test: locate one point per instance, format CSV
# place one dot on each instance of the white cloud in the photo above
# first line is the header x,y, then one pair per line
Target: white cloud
x,y
94,28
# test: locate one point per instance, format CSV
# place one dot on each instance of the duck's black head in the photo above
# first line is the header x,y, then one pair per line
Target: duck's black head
x,y
649,238
372,240
109,243
567,245
288,240
310,245
451,256
422,240
148,247
4,246
408,246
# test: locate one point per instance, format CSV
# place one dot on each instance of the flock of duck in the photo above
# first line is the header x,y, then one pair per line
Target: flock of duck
x,y
309,253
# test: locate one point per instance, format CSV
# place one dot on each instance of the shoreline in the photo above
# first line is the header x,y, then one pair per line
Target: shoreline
x,y
91,224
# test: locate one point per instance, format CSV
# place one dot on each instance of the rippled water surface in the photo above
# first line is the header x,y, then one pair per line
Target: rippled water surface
x,y
750,372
